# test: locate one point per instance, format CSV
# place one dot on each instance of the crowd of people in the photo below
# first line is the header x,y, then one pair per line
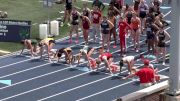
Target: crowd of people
x,y
139,19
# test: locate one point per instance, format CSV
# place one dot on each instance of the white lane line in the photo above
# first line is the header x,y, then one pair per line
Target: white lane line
x,y
37,77
32,58
40,75
129,46
15,63
83,84
106,89
94,82
153,64
51,83
167,13
38,66
78,87
103,91
86,83
89,84
163,69
46,85
24,70
33,90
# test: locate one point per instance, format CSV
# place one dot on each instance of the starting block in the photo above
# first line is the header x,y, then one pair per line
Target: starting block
x,y
84,69
165,7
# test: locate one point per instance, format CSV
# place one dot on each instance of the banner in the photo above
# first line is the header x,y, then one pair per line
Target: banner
x,y
14,30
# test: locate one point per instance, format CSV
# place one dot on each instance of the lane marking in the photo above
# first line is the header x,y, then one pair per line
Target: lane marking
x,y
167,13
103,91
21,94
40,75
87,83
46,86
90,83
15,63
36,57
52,83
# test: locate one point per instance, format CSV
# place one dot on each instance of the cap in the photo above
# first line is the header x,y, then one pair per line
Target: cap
x,y
146,62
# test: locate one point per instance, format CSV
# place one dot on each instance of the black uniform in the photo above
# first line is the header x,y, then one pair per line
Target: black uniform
x,y
68,4
86,12
105,27
150,32
161,37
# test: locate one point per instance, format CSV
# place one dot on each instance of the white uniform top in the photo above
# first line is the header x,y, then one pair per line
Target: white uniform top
x,y
85,49
128,58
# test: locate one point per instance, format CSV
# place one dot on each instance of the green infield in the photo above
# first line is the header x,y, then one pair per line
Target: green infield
x,y
34,11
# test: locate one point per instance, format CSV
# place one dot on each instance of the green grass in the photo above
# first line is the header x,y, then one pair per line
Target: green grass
x,y
34,11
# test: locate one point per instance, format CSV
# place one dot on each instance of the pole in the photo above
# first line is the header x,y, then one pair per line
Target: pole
x,y
174,81
48,22
48,4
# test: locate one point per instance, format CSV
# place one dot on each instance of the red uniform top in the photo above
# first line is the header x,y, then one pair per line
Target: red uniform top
x,y
146,75
108,55
135,24
122,27
96,17
85,24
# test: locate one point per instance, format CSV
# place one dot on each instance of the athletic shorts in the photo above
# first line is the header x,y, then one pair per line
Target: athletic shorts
x,y
150,35
129,20
68,7
75,22
162,44
142,14
105,31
